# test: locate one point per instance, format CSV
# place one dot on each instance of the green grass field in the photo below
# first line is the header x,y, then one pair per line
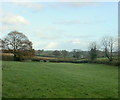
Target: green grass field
x,y
59,80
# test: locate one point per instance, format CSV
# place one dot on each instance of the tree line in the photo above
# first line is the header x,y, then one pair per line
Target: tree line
x,y
21,47
107,48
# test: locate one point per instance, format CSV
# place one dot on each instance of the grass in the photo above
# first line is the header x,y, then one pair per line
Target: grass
x,y
59,80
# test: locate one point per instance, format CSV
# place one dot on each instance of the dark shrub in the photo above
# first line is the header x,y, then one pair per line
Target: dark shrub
x,y
7,58
35,59
44,60
115,63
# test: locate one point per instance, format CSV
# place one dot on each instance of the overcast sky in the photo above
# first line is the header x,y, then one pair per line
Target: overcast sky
x,y
60,25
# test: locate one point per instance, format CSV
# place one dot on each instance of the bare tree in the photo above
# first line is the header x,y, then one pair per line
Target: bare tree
x,y
1,46
39,52
1,43
108,46
76,53
56,53
17,42
64,53
118,49
93,51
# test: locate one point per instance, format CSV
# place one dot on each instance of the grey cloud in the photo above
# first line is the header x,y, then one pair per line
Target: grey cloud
x,y
41,5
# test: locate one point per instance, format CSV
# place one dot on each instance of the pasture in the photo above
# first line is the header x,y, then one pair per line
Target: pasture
x,y
59,80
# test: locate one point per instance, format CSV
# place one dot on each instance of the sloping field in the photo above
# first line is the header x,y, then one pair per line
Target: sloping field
x,y
59,80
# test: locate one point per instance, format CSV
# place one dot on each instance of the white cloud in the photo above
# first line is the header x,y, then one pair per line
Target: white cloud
x,y
76,41
31,5
52,45
44,35
39,44
49,32
79,4
45,45
36,5
11,19
79,42
75,22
